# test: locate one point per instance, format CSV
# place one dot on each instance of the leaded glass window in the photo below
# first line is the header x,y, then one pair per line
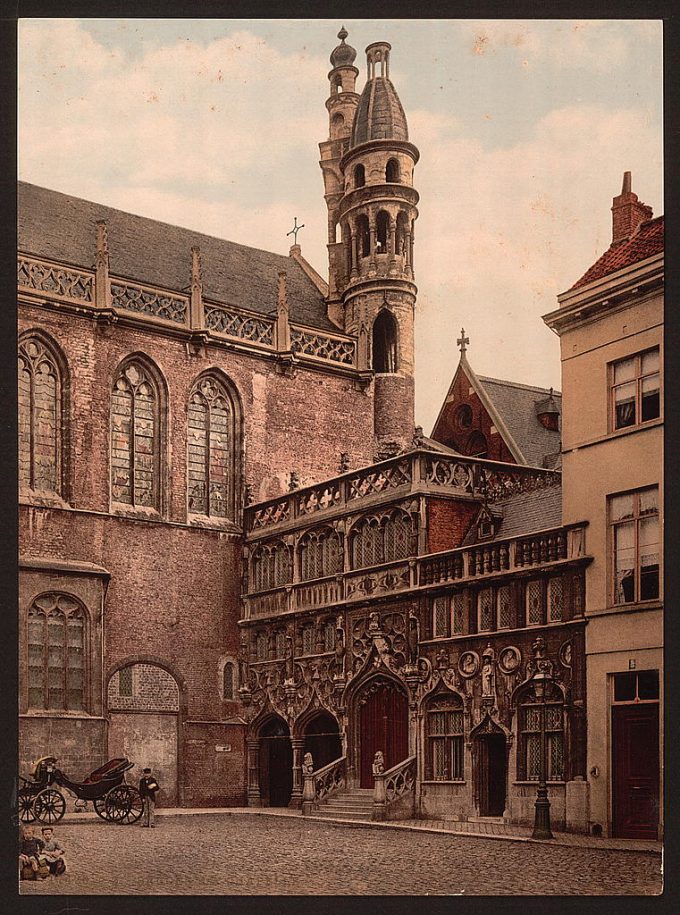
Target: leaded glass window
x,y
210,442
39,418
271,566
534,602
320,554
280,643
261,646
555,600
485,609
503,607
458,612
56,654
135,447
308,639
228,681
375,540
444,738
125,681
329,635
529,762
441,617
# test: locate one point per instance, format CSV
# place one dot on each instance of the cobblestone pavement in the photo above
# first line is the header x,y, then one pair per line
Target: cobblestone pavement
x,y
239,854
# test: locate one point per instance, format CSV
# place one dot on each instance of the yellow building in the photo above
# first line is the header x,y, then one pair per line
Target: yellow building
x,y
610,325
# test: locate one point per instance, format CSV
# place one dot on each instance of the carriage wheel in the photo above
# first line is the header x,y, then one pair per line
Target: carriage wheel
x,y
123,805
26,814
100,807
49,806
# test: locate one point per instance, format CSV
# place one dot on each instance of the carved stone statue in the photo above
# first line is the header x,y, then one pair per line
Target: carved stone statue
x,y
289,657
339,648
378,763
413,639
487,678
374,621
307,764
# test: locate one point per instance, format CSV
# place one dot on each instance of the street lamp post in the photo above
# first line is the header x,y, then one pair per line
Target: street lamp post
x,y
541,680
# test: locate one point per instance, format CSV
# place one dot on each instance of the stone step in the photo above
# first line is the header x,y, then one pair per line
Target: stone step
x,y
359,808
500,820
340,814
346,800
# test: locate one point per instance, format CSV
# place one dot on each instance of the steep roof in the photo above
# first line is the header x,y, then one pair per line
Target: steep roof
x,y
60,227
527,512
516,405
379,114
646,242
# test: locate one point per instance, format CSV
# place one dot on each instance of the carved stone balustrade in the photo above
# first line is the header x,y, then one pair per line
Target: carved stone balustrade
x,y
394,791
418,471
323,783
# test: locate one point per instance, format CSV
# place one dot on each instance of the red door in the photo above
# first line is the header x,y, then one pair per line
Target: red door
x,y
635,771
383,725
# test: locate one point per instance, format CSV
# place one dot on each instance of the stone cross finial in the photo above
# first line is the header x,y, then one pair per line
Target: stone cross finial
x,y
462,341
294,231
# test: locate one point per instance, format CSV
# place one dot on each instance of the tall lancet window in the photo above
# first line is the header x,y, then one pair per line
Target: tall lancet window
x,y
385,343
135,446
211,450
39,417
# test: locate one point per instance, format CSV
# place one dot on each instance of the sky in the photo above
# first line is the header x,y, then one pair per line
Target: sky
x,y
524,127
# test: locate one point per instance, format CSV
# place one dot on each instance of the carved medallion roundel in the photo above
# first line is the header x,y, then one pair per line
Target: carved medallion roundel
x,y
468,665
509,659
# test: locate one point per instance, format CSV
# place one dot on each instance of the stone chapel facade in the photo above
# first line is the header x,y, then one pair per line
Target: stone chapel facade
x,y
235,549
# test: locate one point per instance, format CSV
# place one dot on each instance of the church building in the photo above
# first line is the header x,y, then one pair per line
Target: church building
x,y
242,563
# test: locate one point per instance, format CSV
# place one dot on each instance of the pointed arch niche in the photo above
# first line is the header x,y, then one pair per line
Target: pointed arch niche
x,y
384,343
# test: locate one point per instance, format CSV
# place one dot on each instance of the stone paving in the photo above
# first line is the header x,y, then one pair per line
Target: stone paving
x,y
241,854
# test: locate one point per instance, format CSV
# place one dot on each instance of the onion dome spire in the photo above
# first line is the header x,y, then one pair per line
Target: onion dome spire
x,y
344,55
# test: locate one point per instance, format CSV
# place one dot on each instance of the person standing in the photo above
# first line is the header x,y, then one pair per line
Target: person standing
x,y
148,786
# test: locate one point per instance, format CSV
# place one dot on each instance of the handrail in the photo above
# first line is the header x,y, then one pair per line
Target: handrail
x,y
319,785
392,785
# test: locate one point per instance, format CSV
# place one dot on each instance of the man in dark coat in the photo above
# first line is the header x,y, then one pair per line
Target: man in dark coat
x,y
148,786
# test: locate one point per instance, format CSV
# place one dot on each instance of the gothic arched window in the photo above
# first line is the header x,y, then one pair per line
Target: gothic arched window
x,y
271,566
377,540
228,680
385,343
40,396
392,170
320,554
135,438
56,653
211,450
444,738
530,709
359,176
382,226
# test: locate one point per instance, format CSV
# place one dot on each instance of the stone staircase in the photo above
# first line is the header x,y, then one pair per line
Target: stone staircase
x,y
348,804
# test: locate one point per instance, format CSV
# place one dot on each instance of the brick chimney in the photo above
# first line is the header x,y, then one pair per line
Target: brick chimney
x,y
627,212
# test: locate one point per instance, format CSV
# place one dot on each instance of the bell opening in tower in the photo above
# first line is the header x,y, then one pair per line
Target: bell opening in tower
x,y
384,344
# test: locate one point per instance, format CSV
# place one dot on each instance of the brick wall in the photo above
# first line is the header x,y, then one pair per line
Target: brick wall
x,y
448,522
449,432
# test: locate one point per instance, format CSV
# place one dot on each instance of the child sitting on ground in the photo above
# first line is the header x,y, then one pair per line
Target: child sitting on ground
x,y
52,852
30,850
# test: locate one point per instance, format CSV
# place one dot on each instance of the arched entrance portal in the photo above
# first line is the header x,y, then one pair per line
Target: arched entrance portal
x,y
383,725
322,740
491,773
276,763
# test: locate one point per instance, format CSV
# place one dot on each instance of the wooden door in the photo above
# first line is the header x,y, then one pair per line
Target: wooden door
x,y
635,771
383,725
491,774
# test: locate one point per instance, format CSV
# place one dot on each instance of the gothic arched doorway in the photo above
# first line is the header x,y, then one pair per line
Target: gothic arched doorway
x,y
382,725
490,772
322,739
276,763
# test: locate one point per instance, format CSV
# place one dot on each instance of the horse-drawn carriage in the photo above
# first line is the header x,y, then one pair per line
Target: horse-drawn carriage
x,y
40,798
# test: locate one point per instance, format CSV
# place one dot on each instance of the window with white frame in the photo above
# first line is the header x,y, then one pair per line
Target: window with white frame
x,y
634,526
635,390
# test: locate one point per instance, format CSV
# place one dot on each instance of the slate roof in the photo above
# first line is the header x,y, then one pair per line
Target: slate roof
x,y
379,114
647,241
59,227
516,405
527,512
